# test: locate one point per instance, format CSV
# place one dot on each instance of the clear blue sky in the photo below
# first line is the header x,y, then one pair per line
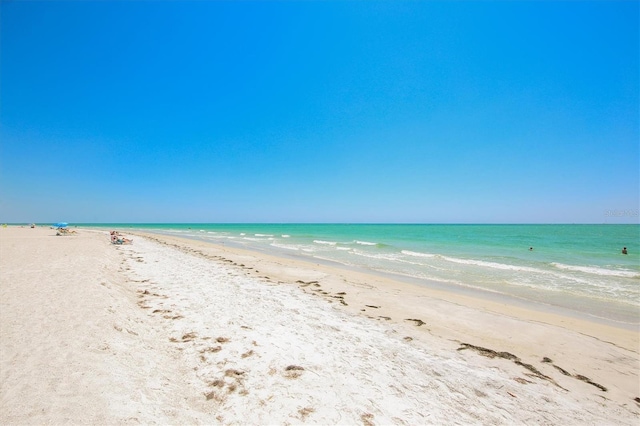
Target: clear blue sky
x,y
304,111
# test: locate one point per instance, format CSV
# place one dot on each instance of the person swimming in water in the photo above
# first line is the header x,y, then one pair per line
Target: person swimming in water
x,y
624,250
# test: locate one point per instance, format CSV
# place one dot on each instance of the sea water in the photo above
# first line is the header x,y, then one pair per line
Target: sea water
x,y
575,267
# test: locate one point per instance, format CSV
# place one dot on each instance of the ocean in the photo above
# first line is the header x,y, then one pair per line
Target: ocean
x,y
577,268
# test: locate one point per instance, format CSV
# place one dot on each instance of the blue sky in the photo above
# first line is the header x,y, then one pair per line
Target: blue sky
x,y
304,111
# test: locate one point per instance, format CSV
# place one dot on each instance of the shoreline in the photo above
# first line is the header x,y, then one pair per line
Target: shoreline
x,y
444,315
556,298
496,298
498,303
169,330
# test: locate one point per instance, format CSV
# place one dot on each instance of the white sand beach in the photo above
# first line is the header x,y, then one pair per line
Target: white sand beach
x,y
172,331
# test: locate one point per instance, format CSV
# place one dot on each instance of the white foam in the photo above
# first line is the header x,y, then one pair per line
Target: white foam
x,y
417,254
598,271
285,246
492,265
365,243
392,257
263,235
329,243
285,236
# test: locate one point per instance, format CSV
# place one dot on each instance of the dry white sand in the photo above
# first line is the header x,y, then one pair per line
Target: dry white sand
x,y
168,331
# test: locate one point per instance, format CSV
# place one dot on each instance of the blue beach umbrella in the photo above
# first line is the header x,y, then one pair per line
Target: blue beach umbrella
x,y
61,224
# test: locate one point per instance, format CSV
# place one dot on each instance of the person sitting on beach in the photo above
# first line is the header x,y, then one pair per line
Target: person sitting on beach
x,y
624,250
65,231
115,239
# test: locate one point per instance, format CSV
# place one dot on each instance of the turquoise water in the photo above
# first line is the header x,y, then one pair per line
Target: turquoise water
x,y
576,267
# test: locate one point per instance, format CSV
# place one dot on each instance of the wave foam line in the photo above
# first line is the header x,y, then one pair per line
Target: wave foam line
x,y
285,246
329,243
597,271
365,243
493,265
417,254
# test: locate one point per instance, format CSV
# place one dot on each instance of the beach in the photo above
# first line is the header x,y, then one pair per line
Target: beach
x,y
175,331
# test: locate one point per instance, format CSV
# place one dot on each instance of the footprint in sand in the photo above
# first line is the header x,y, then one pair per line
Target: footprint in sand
x,y
293,371
211,349
233,373
185,338
175,317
